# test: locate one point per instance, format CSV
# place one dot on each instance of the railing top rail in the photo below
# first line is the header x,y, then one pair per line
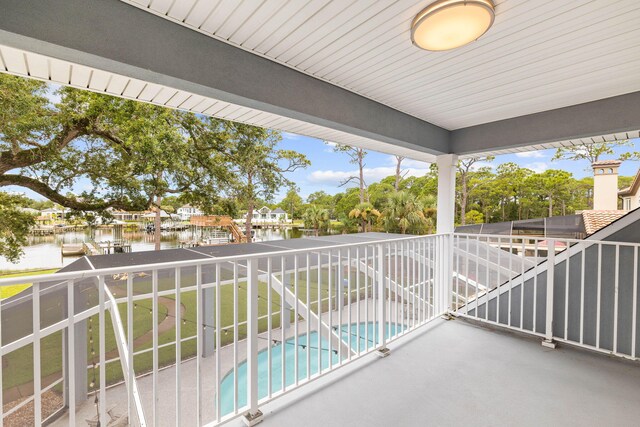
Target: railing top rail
x,y
587,241
86,274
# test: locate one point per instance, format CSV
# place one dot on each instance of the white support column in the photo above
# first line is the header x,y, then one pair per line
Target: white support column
x,y
447,166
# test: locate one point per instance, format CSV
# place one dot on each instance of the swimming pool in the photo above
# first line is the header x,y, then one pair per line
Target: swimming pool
x,y
368,339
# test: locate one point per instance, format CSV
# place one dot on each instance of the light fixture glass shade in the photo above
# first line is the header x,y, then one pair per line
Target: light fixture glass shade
x,y
448,24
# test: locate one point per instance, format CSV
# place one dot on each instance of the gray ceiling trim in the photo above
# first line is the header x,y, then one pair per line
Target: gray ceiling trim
x,y
605,116
116,37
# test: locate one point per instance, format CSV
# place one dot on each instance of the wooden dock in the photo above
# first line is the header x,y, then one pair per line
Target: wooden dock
x,y
94,248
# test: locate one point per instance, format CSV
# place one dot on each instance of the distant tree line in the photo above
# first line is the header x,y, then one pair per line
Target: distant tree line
x,y
484,194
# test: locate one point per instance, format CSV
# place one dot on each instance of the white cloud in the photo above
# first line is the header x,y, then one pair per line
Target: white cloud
x,y
478,165
329,146
537,167
289,135
370,174
408,163
531,155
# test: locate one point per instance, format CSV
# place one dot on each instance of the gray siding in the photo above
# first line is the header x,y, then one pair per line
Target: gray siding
x,y
568,294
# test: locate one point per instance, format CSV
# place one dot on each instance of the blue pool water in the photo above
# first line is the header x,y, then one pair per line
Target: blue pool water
x,y
362,344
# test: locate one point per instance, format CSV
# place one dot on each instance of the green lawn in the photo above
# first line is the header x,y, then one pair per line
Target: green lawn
x,y
20,362
11,290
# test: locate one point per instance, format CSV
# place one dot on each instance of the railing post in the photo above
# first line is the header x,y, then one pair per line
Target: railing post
x,y
76,364
254,415
71,360
101,339
383,351
448,273
551,263
37,377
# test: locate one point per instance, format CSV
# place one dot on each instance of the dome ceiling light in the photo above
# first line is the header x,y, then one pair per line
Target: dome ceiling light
x,y
448,24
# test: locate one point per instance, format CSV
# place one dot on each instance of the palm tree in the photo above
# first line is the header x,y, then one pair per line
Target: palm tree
x,y
316,218
403,211
429,207
365,213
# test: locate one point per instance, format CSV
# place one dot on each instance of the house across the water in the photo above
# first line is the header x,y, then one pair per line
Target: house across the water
x,y
187,211
265,215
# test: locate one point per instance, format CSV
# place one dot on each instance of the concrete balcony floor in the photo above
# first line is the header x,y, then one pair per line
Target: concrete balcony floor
x,y
455,373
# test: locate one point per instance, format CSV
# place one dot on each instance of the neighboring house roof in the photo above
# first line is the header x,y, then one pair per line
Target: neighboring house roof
x,y
152,214
264,209
607,163
633,189
186,206
595,220
278,211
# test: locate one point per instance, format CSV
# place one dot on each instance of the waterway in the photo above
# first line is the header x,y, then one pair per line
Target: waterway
x,y
44,252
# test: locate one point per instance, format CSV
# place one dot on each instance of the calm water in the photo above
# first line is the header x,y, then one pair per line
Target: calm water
x,y
44,251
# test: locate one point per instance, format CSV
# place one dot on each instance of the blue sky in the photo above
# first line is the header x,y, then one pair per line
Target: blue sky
x,y
328,168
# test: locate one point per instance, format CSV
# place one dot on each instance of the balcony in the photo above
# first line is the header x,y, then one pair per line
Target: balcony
x,y
340,329
350,301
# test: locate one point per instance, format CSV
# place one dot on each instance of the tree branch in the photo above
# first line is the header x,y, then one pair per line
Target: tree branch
x,y
348,180
24,158
109,136
56,197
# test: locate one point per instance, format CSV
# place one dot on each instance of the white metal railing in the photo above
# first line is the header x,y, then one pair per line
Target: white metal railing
x,y
588,299
213,339
236,331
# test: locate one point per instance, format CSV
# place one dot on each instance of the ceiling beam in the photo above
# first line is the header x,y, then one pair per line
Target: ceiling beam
x,y
116,37
602,117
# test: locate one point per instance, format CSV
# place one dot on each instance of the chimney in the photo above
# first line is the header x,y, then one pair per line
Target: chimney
x,y
605,185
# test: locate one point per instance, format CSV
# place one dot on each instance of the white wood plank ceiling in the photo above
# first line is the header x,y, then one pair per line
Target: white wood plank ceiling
x,y
28,64
539,55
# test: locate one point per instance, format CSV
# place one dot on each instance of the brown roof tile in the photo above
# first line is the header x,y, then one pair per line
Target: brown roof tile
x,y
595,220
611,162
